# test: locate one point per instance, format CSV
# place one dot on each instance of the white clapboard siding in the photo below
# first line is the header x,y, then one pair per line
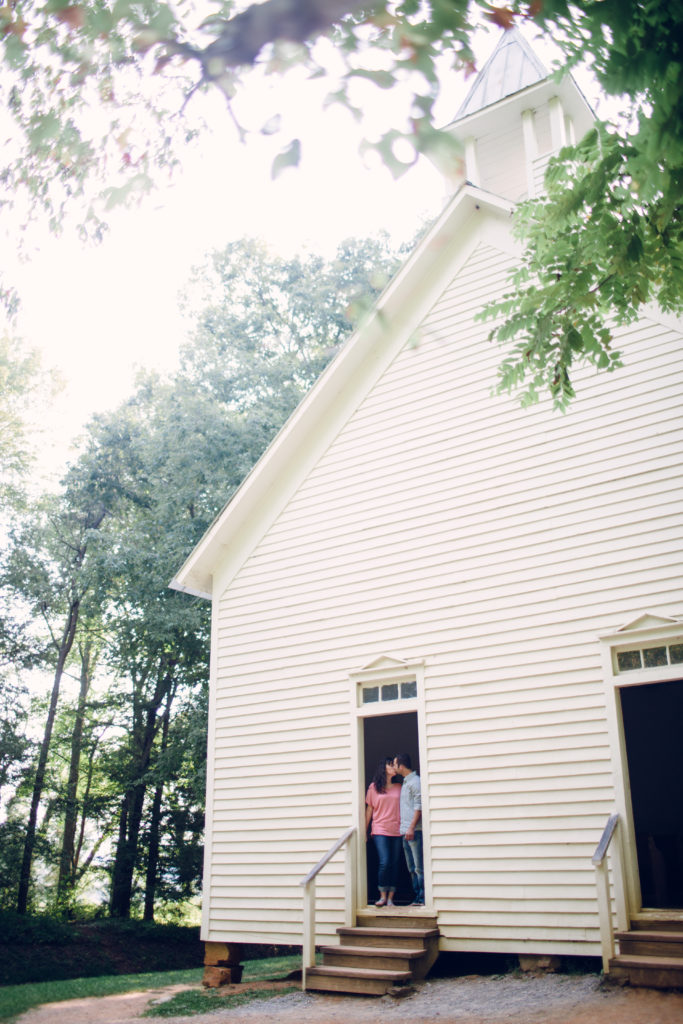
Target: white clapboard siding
x,y
501,162
445,524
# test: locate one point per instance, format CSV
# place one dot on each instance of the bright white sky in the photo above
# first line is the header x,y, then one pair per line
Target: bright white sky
x,y
99,313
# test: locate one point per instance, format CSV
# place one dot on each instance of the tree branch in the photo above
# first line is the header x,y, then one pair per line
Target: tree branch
x,y
243,37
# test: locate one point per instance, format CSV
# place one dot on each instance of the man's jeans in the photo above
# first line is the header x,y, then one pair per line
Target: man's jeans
x,y
412,848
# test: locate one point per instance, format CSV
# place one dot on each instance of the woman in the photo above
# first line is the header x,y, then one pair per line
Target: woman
x,y
383,810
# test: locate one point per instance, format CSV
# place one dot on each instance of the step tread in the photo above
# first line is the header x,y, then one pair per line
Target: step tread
x,y
395,921
359,972
655,962
401,933
642,935
650,922
387,919
377,951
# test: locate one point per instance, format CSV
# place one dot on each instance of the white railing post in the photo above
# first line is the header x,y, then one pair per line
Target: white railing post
x,y
308,943
604,914
351,881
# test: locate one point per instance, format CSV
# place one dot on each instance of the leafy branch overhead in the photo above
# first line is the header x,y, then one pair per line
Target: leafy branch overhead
x,y
598,248
606,239
98,92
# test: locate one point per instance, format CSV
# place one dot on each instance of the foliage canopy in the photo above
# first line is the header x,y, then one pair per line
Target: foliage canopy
x,y
77,74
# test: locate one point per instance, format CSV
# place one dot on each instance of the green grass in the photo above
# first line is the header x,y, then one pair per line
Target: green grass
x,y
205,1001
271,969
200,1000
16,999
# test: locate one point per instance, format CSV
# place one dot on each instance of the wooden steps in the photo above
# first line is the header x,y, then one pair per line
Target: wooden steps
x,y
385,951
359,980
650,952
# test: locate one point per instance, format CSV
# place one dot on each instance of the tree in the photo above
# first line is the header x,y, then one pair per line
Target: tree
x,y
85,573
268,326
46,569
63,56
23,388
23,385
14,744
77,792
164,464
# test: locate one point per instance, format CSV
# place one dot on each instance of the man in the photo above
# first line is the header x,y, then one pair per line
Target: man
x,y
410,827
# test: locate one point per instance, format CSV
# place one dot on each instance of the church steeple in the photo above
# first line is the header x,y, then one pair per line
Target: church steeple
x,y
512,66
515,117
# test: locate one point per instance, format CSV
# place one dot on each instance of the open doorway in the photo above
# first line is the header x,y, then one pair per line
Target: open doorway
x,y
653,731
385,735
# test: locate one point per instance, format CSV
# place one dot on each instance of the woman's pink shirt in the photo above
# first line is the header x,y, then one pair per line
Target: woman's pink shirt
x,y
386,810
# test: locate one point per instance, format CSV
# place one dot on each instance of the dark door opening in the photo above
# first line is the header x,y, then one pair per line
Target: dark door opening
x,y
386,735
653,729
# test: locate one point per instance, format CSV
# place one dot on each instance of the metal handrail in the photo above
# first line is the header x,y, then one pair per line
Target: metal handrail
x,y
348,839
605,839
599,860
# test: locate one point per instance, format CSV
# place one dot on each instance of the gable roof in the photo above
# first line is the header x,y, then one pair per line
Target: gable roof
x,y
512,66
341,388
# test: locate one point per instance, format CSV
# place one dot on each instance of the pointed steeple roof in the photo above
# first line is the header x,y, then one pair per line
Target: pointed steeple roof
x,y
512,66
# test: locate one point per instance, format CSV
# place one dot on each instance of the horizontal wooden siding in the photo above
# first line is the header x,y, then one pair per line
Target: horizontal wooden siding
x,y
494,543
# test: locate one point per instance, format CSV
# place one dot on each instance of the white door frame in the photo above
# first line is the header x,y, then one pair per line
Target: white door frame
x,y
387,671
644,633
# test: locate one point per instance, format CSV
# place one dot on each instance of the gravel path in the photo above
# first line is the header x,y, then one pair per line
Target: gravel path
x,y
560,999
510,999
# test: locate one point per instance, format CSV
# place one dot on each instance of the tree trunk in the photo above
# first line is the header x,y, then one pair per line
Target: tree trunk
x,y
154,827
39,781
117,901
67,859
126,850
153,854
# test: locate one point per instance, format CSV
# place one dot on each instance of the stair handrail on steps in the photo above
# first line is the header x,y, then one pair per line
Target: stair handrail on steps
x,y
348,839
612,830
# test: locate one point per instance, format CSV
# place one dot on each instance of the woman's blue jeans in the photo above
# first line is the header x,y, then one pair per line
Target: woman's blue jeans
x,y
388,850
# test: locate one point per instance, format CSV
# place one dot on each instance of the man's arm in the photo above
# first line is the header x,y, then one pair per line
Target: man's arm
x,y
416,801
410,832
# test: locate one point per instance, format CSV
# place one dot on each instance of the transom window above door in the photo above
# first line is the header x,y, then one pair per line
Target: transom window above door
x,y
387,684
371,693
650,647
650,656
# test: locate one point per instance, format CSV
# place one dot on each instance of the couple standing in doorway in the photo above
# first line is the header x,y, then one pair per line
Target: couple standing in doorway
x,y
395,811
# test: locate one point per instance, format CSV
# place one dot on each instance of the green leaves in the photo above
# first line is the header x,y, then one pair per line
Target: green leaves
x,y
605,240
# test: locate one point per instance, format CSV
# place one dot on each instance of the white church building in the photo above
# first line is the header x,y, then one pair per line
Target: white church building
x,y
417,564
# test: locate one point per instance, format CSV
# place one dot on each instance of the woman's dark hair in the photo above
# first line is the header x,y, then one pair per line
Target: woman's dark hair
x,y
380,776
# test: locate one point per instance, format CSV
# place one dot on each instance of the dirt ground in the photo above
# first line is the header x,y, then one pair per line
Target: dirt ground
x,y
470,1000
